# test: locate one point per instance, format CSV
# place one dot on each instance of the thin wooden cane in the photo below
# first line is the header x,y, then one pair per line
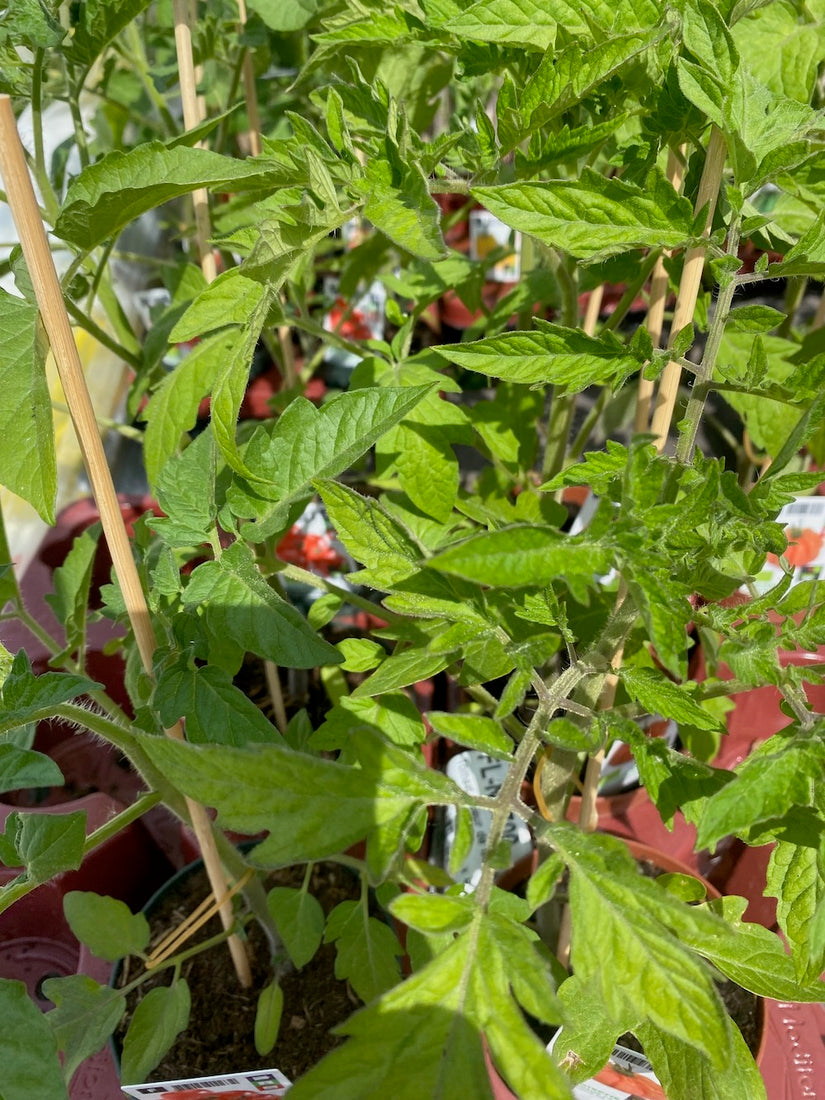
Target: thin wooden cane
x,y
819,317
23,205
689,286
594,306
658,296
193,115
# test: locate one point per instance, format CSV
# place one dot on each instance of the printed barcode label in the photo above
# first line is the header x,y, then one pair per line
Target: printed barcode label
x,y
803,508
238,1086
622,1054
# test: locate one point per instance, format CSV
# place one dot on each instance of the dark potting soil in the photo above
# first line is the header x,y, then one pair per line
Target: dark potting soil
x,y
219,1038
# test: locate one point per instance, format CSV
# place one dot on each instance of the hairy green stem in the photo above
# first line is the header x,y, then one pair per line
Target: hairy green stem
x,y
704,373
41,171
101,335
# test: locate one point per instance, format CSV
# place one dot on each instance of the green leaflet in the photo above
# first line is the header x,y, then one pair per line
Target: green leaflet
x,y
33,25
518,556
27,456
474,732
315,808
771,781
371,535
299,919
242,612
158,1020
109,194
308,443
268,1017
231,299
26,696
21,768
44,844
284,15
399,204
85,1016
72,581
794,879
404,668
107,926
659,695
594,217
685,1072
394,715
367,950
566,358
95,24
215,710
186,493
173,408
430,1025
563,79
527,24
28,1049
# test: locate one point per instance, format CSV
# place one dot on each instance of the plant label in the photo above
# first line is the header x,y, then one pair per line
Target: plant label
x,y
488,234
365,321
251,1085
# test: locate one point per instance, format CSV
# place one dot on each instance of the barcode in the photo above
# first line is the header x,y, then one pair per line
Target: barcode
x,y
802,508
212,1083
622,1054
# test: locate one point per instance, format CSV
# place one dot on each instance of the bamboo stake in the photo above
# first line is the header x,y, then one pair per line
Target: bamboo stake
x,y
689,286
273,683
193,115
656,309
819,317
23,205
594,306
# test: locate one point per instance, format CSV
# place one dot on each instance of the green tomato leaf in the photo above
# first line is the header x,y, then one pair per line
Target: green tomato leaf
x,y
393,715
109,194
266,787
186,493
172,409
28,1048
231,299
107,926
519,556
566,358
399,204
299,918
72,581
95,24
594,217
243,613
795,880
684,1071
367,950
216,711
85,1016
49,843
474,732
659,695
307,444
27,457
20,768
158,1020
371,535
268,1017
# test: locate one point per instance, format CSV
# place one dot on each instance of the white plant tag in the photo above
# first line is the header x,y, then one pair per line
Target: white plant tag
x,y
487,233
251,1085
804,523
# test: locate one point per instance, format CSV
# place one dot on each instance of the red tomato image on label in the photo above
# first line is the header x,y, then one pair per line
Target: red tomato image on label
x,y
354,328
803,545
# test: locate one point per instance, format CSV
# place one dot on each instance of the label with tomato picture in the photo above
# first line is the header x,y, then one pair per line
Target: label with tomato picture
x,y
251,1085
804,523
627,1076
489,234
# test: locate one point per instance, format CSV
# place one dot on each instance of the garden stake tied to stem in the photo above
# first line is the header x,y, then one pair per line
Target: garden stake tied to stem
x,y
36,252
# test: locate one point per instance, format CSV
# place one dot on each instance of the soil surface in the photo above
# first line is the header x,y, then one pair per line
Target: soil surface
x,y
219,1038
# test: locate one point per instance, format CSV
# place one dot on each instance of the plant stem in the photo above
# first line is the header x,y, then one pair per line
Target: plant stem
x,y
704,375
50,202
303,576
101,335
